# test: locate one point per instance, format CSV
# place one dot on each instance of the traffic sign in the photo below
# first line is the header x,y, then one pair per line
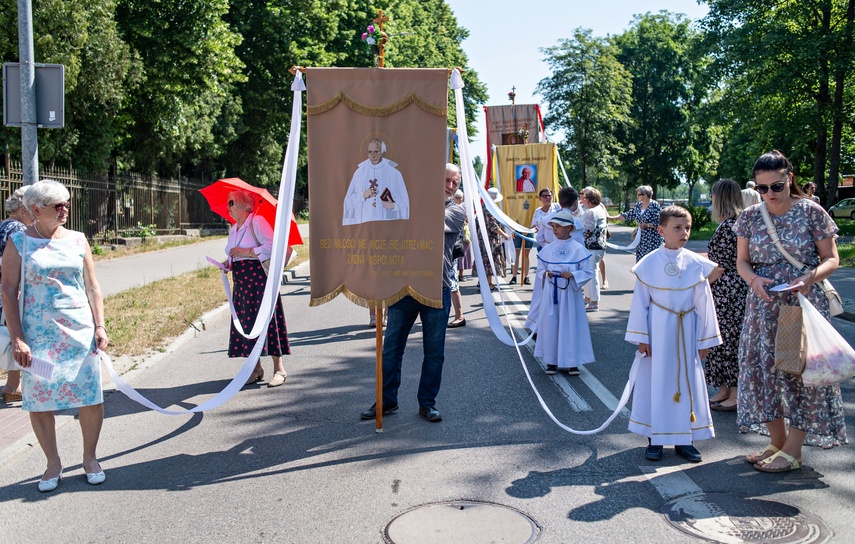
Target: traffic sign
x,y
50,95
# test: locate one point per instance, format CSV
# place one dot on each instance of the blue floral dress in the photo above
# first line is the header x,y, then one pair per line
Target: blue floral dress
x,y
58,324
7,228
766,394
650,238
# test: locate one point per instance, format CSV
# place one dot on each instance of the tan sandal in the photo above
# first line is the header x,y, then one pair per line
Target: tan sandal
x,y
278,378
792,463
758,456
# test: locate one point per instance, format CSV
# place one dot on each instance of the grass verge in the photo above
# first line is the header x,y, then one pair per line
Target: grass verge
x,y
847,255
101,254
145,319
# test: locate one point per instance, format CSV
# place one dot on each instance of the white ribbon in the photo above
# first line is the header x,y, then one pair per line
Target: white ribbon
x,y
631,246
282,226
472,186
271,292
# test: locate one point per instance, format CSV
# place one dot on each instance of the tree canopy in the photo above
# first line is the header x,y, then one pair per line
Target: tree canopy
x,y
202,87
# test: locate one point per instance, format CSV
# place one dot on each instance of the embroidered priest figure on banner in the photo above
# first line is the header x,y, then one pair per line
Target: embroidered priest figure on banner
x,y
392,125
563,336
377,191
673,313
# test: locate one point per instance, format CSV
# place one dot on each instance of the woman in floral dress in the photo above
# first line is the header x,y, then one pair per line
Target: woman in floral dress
x,y
767,396
497,239
62,322
646,214
728,291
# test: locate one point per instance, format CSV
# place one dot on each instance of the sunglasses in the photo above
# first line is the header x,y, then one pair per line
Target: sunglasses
x,y
62,206
231,203
776,187
545,196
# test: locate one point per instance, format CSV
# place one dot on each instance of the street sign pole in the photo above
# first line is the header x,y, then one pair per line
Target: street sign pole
x,y
29,130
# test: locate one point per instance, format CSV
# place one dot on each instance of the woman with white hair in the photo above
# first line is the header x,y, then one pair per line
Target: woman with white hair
x,y
646,213
250,243
19,219
62,322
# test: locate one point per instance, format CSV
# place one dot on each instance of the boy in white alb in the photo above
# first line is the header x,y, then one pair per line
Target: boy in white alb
x,y
673,322
563,336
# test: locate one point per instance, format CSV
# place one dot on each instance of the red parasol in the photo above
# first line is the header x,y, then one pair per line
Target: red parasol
x,y
217,195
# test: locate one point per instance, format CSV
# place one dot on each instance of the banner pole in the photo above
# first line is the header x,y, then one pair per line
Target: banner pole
x,y
378,317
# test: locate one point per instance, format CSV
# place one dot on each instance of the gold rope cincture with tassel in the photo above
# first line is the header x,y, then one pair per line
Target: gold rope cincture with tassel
x,y
681,339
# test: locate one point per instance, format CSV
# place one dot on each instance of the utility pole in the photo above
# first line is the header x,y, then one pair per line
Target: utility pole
x,y
29,130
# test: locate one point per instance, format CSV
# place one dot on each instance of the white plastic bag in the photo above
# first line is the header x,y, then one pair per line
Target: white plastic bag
x,y
830,359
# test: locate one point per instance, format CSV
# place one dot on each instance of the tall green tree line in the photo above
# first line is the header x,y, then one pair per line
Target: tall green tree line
x,y
669,101
202,87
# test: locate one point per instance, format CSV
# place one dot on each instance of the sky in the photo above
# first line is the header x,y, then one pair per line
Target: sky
x,y
505,38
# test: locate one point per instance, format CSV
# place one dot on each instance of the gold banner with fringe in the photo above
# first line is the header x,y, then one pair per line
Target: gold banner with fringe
x,y
376,146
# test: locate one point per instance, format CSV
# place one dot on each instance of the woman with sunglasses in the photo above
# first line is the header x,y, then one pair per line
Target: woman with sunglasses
x,y
646,213
793,413
62,322
250,242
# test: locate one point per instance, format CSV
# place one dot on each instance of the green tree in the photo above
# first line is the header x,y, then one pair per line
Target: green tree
x,y
190,66
99,71
656,51
589,96
788,65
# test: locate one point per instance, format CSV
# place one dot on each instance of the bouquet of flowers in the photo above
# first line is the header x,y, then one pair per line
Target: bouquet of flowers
x,y
523,134
373,36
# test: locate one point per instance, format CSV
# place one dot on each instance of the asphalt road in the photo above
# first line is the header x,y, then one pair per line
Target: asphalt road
x,y
296,464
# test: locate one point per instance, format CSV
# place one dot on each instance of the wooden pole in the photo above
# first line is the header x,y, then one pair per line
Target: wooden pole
x,y
381,43
378,317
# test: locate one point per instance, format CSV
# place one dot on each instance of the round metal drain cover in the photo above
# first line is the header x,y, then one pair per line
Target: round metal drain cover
x,y
731,519
464,522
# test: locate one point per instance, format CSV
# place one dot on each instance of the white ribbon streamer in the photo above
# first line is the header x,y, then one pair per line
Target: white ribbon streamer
x,y
630,247
271,292
282,226
472,186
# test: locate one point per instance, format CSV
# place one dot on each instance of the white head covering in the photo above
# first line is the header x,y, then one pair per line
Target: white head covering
x,y
495,194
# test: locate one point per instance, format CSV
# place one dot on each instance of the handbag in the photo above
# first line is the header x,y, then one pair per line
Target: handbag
x,y
830,359
835,303
457,250
790,341
265,265
7,359
595,239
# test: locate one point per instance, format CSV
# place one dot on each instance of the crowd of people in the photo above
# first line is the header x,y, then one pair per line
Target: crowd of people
x,y
717,302
715,308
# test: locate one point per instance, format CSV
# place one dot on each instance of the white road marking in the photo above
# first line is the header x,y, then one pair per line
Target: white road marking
x,y
577,403
670,482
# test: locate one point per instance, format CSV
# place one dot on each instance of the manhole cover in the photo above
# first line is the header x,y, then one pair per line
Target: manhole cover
x,y
730,519
463,522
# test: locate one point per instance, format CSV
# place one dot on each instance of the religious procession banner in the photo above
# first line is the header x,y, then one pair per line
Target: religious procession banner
x,y
377,154
513,125
521,172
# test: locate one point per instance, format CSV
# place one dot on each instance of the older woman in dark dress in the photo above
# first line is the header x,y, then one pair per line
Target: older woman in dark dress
x,y
646,213
250,243
728,291
792,412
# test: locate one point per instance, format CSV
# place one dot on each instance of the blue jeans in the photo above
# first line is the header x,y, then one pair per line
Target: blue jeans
x,y
402,316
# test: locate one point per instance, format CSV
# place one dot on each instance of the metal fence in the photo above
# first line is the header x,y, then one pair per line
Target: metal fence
x,y
105,207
